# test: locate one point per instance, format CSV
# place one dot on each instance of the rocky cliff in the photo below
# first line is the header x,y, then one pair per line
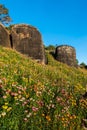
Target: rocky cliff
x,y
66,54
25,39
4,37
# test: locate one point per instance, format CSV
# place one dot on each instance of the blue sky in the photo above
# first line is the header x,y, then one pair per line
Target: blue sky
x,y
59,21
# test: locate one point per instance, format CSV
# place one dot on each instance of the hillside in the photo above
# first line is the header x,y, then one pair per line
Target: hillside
x,y
38,97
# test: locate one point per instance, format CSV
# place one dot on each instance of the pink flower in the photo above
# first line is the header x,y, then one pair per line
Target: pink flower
x,y
63,91
58,99
4,97
40,103
25,103
52,106
8,91
0,86
13,94
26,111
25,119
19,91
34,109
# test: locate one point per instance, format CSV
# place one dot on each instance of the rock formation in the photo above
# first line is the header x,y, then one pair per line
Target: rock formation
x,y
66,54
4,37
27,40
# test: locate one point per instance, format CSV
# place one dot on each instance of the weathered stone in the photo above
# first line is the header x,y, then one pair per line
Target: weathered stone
x,y
27,40
66,54
4,37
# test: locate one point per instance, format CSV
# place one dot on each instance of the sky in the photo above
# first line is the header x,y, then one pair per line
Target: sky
x,y
59,21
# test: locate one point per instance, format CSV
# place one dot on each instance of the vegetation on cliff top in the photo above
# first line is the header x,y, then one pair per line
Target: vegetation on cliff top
x,y
4,15
38,97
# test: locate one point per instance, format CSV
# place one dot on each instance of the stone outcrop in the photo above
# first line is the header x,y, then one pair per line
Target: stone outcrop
x,y
4,37
66,54
27,40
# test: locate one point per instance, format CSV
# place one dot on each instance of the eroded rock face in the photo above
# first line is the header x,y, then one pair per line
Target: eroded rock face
x,y
4,37
66,54
27,40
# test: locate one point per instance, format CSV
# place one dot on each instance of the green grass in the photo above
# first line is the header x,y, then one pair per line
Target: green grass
x,y
40,97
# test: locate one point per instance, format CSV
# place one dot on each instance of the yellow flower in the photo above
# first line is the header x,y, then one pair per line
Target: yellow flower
x,y
48,118
4,107
71,117
6,103
73,102
34,113
9,109
74,116
19,96
43,114
63,118
27,95
15,97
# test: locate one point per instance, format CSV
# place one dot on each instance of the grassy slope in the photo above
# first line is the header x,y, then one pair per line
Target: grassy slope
x,y
11,62
16,69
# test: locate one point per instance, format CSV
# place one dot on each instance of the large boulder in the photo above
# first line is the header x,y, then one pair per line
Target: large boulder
x,y
27,40
4,37
66,54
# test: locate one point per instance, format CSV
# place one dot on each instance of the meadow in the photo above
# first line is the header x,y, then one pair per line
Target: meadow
x,y
40,97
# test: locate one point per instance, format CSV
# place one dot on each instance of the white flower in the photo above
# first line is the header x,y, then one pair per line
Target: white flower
x,y
29,115
3,114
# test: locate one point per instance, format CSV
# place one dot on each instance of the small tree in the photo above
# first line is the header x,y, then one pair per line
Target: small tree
x,y
83,65
4,16
50,47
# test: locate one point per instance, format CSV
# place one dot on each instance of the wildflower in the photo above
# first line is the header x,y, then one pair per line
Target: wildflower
x,y
64,125
19,92
63,91
8,91
3,114
17,103
34,109
27,95
25,103
0,86
15,97
25,119
34,113
5,97
52,105
4,107
48,118
43,114
58,99
40,103
9,109
13,94
74,116
26,111
22,99
6,103
71,117
73,102
63,119
29,115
